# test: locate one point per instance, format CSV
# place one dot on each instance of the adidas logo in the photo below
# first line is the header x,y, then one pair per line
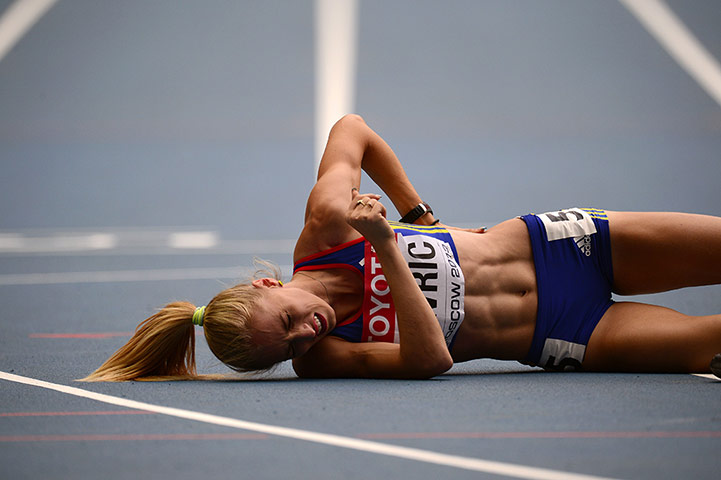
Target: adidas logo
x,y
584,244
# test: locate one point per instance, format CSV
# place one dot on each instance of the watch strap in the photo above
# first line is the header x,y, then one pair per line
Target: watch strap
x,y
417,212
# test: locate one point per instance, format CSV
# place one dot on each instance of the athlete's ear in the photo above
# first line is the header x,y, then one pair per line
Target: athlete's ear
x,y
266,282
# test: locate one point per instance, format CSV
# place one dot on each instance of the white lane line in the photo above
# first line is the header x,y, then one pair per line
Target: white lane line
x,y
18,19
17,247
193,240
62,242
336,27
168,274
19,243
466,463
706,375
679,42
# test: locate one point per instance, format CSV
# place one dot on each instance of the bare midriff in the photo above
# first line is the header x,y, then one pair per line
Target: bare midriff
x,y
501,293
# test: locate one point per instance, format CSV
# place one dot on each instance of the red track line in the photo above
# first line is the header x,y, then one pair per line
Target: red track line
x,y
437,435
64,414
81,335
137,437
531,435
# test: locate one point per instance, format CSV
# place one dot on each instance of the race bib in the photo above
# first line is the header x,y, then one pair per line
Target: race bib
x,y
438,276
569,223
562,355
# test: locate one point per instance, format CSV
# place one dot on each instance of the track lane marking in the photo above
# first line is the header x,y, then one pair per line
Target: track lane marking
x,y
542,435
110,276
73,414
145,275
81,335
679,42
336,51
18,19
426,456
131,437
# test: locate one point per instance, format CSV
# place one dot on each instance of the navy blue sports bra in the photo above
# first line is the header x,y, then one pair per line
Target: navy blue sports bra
x,y
433,260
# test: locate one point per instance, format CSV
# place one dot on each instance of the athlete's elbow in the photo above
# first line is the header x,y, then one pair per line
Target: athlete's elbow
x,y
432,367
349,123
351,118
443,365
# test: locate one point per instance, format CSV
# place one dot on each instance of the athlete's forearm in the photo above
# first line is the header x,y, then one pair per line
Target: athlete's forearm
x,y
382,165
423,348
354,144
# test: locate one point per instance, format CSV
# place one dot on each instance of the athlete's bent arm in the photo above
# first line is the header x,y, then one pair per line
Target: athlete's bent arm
x,y
353,142
352,146
383,166
422,352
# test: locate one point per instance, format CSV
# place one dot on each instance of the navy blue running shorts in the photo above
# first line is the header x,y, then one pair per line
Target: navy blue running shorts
x,y
574,272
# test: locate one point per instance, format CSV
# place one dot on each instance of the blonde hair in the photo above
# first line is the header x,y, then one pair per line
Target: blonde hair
x,y
163,345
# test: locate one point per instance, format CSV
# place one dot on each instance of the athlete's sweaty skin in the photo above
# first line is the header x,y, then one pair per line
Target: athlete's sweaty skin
x,y
501,294
251,326
501,290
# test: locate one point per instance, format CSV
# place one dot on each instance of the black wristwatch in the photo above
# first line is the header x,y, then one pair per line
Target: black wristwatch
x,y
419,210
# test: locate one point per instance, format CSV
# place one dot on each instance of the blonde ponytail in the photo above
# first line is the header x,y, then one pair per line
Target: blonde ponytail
x,y
162,348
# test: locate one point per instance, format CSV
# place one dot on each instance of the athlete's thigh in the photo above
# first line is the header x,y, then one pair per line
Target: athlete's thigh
x,y
636,337
655,251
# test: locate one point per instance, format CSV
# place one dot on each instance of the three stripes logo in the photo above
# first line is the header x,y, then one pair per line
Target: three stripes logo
x,y
584,244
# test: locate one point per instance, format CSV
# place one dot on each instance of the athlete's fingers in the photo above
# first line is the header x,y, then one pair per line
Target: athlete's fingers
x,y
365,199
380,208
355,193
368,218
364,207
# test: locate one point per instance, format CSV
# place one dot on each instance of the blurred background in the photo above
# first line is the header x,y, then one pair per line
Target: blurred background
x,y
150,148
138,119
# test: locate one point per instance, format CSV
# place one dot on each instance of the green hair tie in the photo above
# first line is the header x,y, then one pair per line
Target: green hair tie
x,y
198,316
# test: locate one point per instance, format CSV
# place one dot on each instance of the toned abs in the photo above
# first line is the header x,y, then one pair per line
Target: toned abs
x,y
501,293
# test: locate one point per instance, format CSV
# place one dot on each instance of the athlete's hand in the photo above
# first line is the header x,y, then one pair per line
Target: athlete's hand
x,y
367,215
470,230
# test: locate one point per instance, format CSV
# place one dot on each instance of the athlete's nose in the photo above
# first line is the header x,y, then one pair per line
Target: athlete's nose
x,y
303,332
302,338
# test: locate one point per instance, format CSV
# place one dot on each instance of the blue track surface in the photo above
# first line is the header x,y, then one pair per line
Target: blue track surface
x,y
124,123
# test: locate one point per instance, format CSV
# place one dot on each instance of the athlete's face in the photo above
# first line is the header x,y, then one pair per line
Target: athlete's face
x,y
288,321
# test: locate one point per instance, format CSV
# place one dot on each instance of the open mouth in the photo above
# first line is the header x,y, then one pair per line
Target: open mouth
x,y
320,324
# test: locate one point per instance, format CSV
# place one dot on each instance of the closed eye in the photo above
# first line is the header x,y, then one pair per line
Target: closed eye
x,y
289,327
